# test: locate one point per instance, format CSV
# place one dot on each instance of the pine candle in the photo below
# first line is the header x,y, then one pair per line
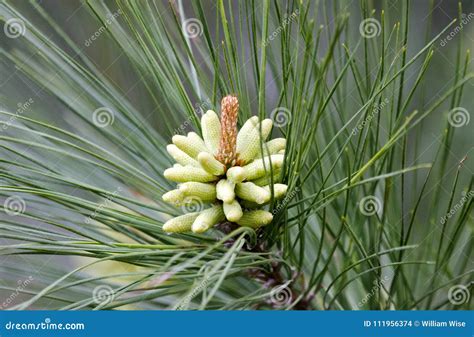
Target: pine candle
x,y
227,170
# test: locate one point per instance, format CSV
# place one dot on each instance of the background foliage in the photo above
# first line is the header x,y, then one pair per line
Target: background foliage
x,y
374,98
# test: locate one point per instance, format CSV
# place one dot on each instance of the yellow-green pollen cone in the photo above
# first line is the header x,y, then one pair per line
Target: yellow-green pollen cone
x,y
226,170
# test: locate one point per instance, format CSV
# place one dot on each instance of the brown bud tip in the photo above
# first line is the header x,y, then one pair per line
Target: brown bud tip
x,y
227,144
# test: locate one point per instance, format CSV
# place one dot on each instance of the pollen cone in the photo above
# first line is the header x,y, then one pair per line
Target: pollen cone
x,y
227,144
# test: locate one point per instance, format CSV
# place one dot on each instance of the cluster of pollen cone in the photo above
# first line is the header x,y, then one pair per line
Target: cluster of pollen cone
x,y
230,170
